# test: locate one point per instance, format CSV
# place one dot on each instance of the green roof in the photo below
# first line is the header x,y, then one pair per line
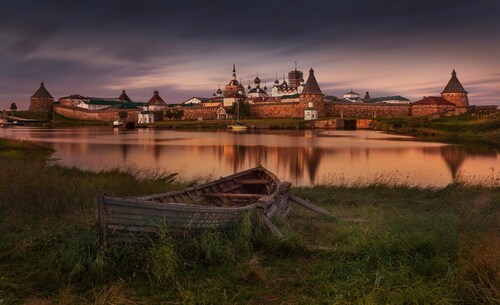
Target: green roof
x,y
125,106
296,95
386,98
102,102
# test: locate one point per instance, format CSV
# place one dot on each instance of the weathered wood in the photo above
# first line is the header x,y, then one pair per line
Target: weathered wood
x,y
122,218
318,248
311,206
272,227
253,182
284,187
232,195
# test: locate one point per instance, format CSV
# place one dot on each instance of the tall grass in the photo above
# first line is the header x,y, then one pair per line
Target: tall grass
x,y
418,245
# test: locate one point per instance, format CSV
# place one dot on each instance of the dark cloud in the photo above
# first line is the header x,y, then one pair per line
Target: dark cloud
x,y
102,45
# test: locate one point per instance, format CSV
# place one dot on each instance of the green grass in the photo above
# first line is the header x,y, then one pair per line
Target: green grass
x,y
417,246
486,127
59,120
30,115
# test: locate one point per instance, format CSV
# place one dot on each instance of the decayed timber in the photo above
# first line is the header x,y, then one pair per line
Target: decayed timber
x,y
216,204
311,206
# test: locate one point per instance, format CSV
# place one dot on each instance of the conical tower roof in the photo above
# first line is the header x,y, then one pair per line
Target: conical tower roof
x,y
311,86
42,92
454,85
124,97
367,96
156,100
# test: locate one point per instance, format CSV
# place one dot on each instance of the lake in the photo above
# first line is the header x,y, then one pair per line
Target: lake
x,y
304,157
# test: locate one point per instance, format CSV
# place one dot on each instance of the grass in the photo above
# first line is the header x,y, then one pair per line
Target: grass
x,y
59,120
32,115
418,246
485,127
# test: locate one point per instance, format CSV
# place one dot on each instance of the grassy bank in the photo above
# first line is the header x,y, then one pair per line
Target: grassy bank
x,y
486,127
419,246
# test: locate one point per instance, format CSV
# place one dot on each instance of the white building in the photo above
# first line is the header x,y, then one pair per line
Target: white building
x,y
145,117
352,96
195,101
257,91
310,113
284,89
96,104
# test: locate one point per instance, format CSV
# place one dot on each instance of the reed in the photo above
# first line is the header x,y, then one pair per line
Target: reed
x,y
417,246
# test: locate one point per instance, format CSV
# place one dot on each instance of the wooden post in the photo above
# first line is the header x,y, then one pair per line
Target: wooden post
x,y
311,206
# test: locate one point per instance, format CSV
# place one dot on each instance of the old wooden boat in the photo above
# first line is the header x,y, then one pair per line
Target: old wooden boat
x,y
214,205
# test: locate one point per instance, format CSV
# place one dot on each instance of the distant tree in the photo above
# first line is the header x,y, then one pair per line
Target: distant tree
x,y
123,115
13,107
244,109
174,114
178,114
169,114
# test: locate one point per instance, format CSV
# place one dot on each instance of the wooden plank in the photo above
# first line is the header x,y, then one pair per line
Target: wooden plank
x,y
311,206
253,182
134,203
231,195
271,227
232,188
257,171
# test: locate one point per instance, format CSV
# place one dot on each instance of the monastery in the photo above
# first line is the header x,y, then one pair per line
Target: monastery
x,y
292,99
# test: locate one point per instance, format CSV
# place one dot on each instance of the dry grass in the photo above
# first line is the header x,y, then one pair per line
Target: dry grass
x,y
418,246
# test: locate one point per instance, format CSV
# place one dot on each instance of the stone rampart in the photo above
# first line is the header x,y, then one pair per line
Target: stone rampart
x,y
277,110
193,113
427,110
366,110
107,115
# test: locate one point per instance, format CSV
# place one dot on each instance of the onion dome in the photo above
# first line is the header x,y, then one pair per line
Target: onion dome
x,y
249,87
219,91
265,87
214,94
284,83
276,81
257,80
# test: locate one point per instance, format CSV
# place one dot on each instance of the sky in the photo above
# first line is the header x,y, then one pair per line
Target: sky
x,y
187,48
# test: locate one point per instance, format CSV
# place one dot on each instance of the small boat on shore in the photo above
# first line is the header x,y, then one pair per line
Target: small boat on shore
x,y
214,205
238,126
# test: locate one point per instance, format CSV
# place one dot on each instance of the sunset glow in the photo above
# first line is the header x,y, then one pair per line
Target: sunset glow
x,y
384,47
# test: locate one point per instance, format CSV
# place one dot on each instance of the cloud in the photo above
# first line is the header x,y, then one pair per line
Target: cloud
x,y
187,48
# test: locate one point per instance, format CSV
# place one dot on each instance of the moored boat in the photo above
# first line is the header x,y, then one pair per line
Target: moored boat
x,y
214,205
238,126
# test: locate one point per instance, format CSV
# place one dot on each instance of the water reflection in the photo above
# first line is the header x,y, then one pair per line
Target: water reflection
x,y
303,157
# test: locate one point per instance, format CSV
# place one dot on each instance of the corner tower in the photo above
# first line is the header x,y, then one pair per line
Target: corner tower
x,y
454,92
41,100
312,95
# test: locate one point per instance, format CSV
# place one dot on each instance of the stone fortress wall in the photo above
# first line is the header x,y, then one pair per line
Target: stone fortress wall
x,y
107,115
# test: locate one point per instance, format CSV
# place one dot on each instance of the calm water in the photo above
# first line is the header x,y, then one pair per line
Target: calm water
x,y
302,157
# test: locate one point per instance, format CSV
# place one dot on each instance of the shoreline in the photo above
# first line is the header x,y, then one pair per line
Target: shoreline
x,y
438,244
